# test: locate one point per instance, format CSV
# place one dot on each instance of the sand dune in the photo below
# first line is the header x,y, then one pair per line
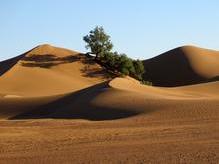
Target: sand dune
x,y
183,66
58,107
48,70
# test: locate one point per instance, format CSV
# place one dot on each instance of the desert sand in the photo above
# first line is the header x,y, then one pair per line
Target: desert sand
x,y
57,106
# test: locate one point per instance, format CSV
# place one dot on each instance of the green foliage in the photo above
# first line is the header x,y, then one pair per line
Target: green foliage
x,y
126,65
98,41
100,44
146,83
139,69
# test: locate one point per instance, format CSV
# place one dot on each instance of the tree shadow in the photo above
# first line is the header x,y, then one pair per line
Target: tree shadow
x,y
48,60
88,71
78,106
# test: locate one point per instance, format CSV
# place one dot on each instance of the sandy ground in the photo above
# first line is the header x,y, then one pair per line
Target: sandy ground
x,y
136,140
51,112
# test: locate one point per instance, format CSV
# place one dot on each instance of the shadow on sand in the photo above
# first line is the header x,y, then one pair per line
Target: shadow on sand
x,y
8,64
48,60
77,106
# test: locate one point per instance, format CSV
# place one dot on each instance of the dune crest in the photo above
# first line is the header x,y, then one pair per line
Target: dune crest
x,y
198,91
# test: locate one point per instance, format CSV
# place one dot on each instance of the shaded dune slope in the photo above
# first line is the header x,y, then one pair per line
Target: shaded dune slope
x,y
183,66
119,98
83,104
8,64
48,70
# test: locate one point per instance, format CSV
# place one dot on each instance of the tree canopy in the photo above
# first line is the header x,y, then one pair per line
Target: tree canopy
x,y
98,41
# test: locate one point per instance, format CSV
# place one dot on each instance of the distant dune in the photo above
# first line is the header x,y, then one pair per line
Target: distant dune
x,y
58,106
183,66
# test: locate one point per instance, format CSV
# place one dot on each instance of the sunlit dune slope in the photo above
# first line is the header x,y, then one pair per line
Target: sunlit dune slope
x,y
48,70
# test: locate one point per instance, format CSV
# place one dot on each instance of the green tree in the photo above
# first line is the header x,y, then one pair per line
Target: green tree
x,y
125,65
139,69
98,42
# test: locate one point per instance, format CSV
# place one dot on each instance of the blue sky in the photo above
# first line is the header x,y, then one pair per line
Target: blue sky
x,y
141,28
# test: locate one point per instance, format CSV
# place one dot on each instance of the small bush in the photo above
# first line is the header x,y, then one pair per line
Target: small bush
x,y
146,83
